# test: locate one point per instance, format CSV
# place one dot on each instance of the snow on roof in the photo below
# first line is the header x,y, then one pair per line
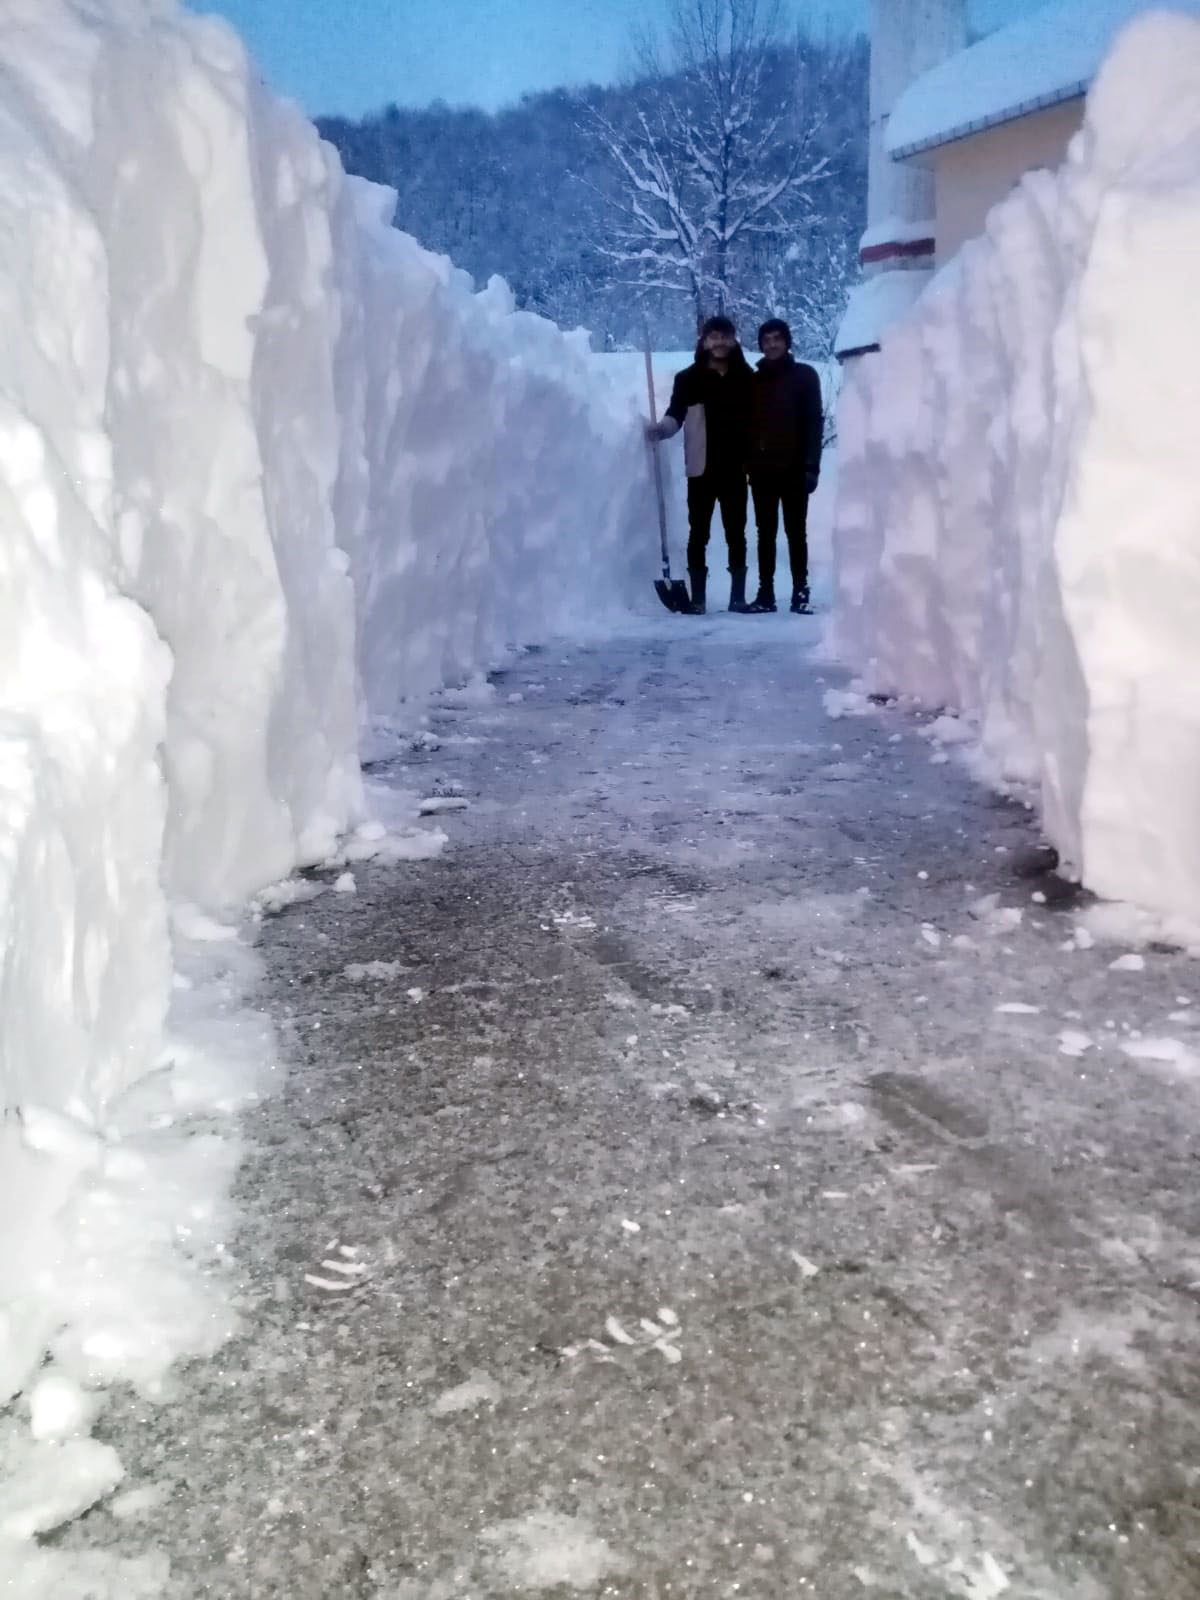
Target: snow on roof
x,y
1040,61
894,230
875,304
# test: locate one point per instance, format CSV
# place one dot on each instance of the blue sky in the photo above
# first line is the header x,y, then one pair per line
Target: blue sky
x,y
352,56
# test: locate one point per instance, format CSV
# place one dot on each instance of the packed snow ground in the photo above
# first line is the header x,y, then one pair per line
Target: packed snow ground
x,y
721,1171
1019,494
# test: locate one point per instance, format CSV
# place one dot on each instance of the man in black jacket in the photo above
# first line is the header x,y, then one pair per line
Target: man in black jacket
x,y
786,432
710,401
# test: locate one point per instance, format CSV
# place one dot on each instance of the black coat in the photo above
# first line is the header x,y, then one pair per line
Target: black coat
x,y
725,404
787,424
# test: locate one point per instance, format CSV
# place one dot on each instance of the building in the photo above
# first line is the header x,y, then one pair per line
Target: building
x,y
953,128
908,38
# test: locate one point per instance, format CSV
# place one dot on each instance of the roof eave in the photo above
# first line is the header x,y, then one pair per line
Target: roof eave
x,y
966,130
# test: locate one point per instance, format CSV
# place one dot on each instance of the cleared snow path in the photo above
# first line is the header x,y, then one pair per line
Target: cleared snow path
x,y
726,1182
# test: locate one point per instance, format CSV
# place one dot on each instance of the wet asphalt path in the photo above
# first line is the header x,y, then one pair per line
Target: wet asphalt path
x,y
712,1232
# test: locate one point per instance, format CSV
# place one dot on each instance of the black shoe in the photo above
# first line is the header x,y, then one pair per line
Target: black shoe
x,y
801,604
699,605
764,600
737,590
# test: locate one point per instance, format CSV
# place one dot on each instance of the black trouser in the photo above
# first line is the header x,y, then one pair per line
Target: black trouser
x,y
770,491
726,488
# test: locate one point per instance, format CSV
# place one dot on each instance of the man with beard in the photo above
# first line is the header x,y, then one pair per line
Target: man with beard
x,y
710,401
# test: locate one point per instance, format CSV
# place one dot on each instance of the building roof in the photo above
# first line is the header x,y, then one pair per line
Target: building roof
x,y
1039,61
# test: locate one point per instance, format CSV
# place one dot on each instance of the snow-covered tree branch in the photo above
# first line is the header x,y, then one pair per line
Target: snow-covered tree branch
x,y
720,160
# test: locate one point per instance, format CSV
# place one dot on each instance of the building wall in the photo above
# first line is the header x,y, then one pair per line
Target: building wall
x,y
974,174
907,38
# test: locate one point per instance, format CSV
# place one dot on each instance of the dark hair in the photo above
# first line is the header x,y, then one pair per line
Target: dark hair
x,y
718,325
775,325
737,356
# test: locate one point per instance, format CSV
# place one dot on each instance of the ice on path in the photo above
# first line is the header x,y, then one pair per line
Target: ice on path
x,y
546,1549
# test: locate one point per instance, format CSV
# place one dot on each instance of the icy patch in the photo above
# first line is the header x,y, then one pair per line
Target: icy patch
x,y
373,971
477,1392
546,1549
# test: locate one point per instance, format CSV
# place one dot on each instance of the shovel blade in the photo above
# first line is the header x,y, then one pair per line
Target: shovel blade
x,y
673,593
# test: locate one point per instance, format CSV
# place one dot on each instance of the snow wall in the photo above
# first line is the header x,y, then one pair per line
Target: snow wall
x,y
269,471
1018,523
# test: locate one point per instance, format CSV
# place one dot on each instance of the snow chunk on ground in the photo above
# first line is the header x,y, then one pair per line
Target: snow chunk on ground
x,y
1130,962
1073,1042
846,703
59,1408
1174,1054
43,1485
375,971
546,1548
477,1392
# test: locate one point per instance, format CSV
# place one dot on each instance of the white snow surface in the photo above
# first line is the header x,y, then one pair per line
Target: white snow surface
x,y
269,472
1037,60
896,230
876,304
1019,497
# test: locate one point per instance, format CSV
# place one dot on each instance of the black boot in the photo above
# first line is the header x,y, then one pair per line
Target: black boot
x,y
699,577
801,603
764,600
737,589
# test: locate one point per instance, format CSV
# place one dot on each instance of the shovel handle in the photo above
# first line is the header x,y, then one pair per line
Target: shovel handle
x,y
659,492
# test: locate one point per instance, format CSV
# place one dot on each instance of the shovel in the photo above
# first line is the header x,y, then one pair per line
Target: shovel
x,y
671,591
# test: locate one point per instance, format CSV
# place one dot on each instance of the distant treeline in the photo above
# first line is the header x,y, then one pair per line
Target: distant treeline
x,y
531,193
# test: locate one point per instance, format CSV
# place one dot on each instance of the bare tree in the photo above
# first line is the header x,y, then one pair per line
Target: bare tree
x,y
718,157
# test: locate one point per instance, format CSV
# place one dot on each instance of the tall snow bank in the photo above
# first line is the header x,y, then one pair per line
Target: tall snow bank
x,y
1018,528
267,469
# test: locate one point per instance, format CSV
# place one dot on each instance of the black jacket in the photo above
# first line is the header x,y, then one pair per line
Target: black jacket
x,y
725,401
787,424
